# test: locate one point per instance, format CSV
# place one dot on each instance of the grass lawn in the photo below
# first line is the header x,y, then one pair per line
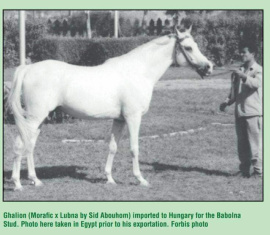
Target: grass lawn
x,y
195,167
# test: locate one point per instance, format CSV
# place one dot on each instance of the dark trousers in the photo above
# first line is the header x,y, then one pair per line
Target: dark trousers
x,y
249,143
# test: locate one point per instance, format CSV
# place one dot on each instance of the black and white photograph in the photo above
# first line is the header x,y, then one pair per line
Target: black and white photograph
x,y
133,105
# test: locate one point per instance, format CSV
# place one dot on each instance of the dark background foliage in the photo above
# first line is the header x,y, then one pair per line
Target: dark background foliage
x,y
218,36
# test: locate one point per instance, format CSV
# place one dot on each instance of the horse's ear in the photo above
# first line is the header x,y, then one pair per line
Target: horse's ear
x,y
189,29
179,34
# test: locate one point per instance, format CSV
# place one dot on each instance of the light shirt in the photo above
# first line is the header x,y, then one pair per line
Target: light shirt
x,y
247,95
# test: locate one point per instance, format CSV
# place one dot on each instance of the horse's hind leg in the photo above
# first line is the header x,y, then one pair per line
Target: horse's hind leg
x,y
36,116
17,163
30,158
28,153
26,150
117,130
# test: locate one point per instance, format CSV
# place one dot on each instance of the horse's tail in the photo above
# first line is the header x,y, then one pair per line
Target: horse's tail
x,y
14,101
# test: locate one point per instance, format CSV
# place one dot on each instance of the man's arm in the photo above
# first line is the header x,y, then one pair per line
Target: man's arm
x,y
254,82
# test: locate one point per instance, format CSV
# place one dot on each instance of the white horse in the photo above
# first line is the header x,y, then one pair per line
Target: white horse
x,y
120,89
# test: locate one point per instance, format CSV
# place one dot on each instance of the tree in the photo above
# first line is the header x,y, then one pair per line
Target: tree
x,y
167,23
143,24
136,28
104,25
159,26
50,26
151,27
125,27
57,27
175,16
77,23
65,27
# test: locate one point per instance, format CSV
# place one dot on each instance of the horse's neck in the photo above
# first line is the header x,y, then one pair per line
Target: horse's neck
x,y
149,61
158,59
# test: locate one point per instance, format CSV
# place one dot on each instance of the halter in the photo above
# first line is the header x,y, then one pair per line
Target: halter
x,y
178,43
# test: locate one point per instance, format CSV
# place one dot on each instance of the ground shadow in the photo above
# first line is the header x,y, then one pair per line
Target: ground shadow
x,y
52,172
165,167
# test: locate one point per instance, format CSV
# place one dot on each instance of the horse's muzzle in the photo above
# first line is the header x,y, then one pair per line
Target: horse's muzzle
x,y
205,70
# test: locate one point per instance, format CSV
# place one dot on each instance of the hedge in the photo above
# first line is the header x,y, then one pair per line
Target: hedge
x,y
218,37
81,51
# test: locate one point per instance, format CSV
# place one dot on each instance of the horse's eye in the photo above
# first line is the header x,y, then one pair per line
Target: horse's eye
x,y
188,48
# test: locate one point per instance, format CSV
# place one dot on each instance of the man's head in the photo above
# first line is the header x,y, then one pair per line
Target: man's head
x,y
247,52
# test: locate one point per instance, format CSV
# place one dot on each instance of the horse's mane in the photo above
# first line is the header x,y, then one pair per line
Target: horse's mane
x,y
161,41
151,45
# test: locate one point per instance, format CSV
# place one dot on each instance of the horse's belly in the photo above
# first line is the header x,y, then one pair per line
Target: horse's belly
x,y
89,110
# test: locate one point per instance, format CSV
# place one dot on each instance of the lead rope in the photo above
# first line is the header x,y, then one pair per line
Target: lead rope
x,y
178,43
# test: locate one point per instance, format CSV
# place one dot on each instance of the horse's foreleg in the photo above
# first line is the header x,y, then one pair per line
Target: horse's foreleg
x,y
134,128
117,130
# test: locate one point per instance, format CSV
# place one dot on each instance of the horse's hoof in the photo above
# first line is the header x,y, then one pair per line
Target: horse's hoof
x,y
145,183
18,188
38,183
111,182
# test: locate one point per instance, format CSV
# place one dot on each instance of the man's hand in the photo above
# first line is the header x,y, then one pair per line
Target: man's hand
x,y
223,106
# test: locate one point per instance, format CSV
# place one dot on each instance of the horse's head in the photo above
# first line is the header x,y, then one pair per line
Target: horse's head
x,y
188,54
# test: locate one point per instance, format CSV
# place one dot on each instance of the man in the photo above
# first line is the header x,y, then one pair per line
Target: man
x,y
246,93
